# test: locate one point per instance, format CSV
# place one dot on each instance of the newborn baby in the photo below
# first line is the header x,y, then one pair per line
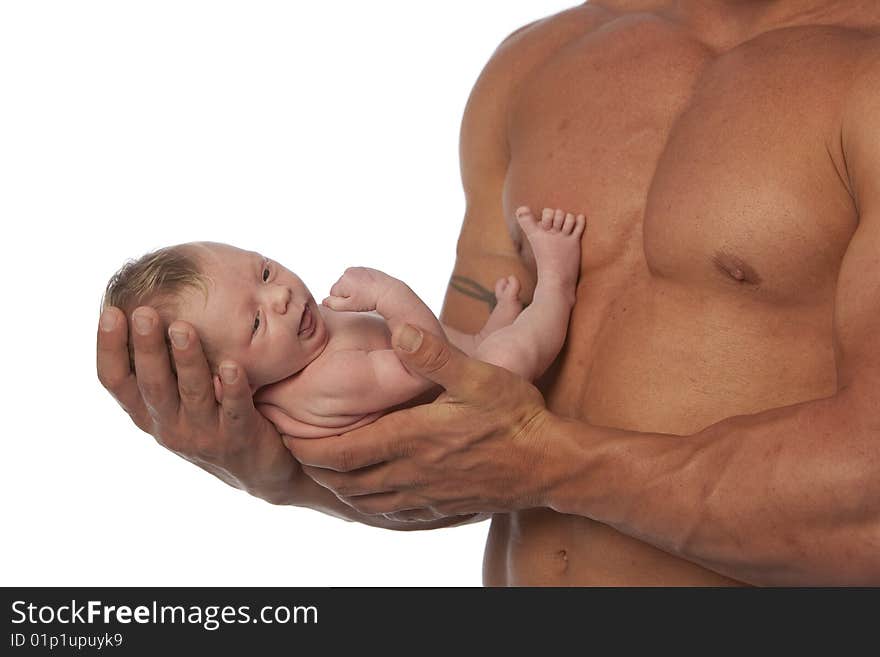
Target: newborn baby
x,y
322,370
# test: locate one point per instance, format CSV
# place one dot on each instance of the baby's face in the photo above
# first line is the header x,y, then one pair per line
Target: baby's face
x,y
257,313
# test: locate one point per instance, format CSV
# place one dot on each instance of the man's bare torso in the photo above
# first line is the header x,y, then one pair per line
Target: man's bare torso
x,y
711,169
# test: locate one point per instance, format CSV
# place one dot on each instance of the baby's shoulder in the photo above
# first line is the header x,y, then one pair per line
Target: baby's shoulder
x,y
358,331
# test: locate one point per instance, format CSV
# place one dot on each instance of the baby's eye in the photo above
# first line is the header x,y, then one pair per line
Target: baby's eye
x,y
266,273
256,323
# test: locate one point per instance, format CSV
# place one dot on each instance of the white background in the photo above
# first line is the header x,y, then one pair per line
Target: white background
x,y
324,134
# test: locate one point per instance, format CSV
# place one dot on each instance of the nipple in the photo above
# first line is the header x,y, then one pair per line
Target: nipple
x,y
736,268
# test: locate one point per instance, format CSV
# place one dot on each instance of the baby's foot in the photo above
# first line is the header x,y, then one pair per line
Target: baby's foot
x,y
556,243
507,306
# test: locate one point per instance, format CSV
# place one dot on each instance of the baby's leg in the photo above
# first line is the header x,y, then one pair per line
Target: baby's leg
x,y
507,307
530,344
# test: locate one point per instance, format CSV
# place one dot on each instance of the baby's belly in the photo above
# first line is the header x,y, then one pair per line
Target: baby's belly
x,y
290,422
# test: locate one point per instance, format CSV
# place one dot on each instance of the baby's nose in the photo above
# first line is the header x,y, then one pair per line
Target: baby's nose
x,y
281,299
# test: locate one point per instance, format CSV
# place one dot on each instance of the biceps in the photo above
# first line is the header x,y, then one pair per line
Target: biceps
x,y
857,307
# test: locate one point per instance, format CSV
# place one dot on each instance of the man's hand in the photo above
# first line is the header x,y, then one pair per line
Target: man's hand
x,y
229,439
477,448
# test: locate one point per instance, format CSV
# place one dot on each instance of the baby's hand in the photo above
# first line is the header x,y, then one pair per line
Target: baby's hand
x,y
358,289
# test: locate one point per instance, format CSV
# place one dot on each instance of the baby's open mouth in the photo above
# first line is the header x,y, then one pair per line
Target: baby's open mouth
x,y
306,322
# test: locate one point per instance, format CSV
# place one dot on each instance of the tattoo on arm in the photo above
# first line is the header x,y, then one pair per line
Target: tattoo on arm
x,y
471,288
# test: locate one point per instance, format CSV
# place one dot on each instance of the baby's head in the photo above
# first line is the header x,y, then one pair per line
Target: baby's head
x,y
244,306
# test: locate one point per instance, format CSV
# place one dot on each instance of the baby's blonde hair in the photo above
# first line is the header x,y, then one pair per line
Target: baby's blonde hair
x,y
156,279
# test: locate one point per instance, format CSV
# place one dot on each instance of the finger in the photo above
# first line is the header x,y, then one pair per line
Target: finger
x,y
381,503
387,438
366,481
114,366
336,302
239,419
194,382
156,381
434,358
414,515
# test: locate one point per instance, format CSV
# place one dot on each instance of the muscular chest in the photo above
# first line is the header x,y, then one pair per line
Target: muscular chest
x,y
693,166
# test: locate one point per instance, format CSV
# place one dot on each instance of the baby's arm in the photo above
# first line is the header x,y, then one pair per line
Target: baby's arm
x,y
363,289
355,382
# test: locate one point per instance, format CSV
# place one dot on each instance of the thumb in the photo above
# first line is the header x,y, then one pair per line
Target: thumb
x,y
434,358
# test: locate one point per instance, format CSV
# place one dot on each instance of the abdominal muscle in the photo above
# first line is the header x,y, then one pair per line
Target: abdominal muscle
x,y
652,361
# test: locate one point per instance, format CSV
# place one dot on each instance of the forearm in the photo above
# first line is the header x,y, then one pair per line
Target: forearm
x,y
789,496
398,304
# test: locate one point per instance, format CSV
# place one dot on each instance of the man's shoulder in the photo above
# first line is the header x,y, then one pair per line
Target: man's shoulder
x,y
528,45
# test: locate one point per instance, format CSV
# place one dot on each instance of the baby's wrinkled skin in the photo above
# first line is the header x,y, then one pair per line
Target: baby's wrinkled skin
x,y
320,370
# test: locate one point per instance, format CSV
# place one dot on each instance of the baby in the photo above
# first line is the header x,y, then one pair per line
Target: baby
x,y
322,370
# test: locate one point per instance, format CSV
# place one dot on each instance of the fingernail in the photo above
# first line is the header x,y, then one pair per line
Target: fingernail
x,y
179,338
409,339
228,373
143,323
108,320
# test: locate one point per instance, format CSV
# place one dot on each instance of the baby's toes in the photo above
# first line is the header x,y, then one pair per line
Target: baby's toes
x,y
558,219
525,219
547,218
507,288
513,286
580,222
